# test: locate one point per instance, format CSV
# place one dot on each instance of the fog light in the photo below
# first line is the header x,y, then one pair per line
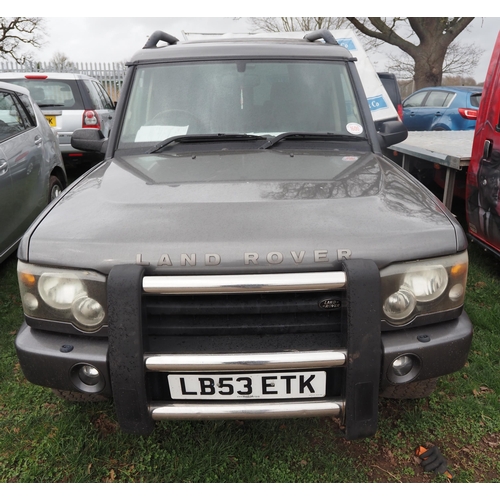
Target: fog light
x,y
402,365
89,374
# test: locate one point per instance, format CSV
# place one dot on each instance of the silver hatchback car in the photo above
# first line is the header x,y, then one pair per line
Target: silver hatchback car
x,y
32,171
69,102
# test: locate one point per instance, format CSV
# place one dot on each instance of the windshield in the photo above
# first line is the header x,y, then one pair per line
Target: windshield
x,y
264,98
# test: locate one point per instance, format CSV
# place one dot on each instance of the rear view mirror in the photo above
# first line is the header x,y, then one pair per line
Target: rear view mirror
x,y
89,139
391,132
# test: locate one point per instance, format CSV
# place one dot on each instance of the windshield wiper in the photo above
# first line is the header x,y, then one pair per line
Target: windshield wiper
x,y
326,136
54,105
204,138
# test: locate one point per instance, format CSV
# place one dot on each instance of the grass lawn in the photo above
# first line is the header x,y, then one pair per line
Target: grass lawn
x,y
44,439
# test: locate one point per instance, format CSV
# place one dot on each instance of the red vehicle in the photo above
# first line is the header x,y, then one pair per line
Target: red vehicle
x,y
483,174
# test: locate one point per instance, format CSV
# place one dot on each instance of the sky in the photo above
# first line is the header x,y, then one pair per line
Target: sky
x,y
110,38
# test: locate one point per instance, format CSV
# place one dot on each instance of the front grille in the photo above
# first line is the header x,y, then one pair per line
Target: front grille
x,y
242,314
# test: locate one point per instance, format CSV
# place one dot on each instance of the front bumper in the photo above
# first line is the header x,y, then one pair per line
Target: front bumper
x,y
126,366
46,359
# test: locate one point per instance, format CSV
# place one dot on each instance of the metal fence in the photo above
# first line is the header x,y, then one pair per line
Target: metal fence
x,y
111,75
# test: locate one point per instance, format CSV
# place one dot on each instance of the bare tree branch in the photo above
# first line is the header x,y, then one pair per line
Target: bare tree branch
x,y
16,32
459,60
288,24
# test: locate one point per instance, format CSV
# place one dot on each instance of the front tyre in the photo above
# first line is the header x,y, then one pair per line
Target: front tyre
x,y
55,187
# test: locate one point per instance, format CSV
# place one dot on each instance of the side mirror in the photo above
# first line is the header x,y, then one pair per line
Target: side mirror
x,y
89,139
391,132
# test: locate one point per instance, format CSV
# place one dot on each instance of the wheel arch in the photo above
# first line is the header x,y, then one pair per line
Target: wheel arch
x,y
60,173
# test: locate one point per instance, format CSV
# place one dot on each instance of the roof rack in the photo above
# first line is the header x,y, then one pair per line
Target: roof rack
x,y
159,36
324,34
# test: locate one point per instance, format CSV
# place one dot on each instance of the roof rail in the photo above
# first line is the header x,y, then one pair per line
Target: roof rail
x,y
324,34
159,36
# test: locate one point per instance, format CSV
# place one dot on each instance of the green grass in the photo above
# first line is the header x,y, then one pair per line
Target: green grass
x,y
44,439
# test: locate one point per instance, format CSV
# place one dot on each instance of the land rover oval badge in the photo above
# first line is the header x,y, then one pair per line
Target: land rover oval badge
x,y
329,304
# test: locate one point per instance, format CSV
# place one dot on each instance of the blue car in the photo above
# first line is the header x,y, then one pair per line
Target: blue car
x,y
442,108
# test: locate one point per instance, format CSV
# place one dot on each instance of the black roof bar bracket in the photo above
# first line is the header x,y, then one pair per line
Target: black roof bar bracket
x,y
159,36
324,34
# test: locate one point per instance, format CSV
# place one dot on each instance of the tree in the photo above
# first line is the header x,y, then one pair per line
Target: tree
x,y
277,24
61,61
16,32
435,35
459,61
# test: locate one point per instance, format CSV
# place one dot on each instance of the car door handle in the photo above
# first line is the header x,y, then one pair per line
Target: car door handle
x,y
487,148
438,113
38,140
4,167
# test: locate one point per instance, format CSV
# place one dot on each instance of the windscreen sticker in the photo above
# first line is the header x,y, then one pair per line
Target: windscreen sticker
x,y
350,158
159,132
354,128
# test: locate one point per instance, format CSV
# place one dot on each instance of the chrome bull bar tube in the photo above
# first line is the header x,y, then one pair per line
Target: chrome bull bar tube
x,y
236,411
244,361
244,283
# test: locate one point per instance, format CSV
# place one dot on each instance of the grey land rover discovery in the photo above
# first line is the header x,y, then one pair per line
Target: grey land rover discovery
x,y
244,250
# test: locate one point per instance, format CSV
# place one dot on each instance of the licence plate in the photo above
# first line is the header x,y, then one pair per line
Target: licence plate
x,y
286,385
51,119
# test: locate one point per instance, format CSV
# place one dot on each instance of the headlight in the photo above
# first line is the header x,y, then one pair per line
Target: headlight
x,y
77,297
428,283
417,288
399,305
59,290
